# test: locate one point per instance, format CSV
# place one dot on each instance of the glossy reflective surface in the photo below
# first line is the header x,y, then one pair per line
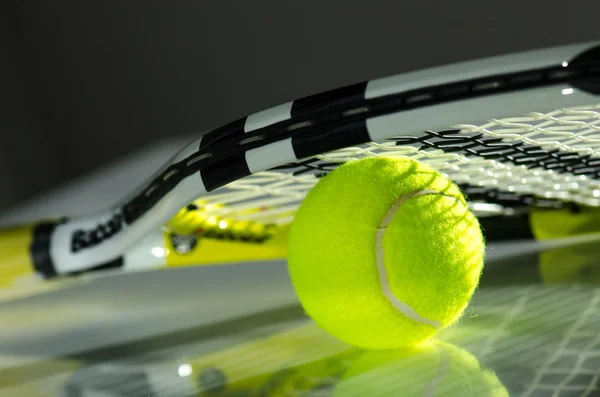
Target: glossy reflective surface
x,y
532,329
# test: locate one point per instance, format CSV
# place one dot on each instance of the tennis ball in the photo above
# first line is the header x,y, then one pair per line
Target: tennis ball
x,y
432,369
383,252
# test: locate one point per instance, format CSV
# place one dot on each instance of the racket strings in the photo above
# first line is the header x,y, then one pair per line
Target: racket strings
x,y
480,178
569,130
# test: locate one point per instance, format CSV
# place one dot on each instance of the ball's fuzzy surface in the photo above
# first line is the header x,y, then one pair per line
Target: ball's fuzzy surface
x,y
383,252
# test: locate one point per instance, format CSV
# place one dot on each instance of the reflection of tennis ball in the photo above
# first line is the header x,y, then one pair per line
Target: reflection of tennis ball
x,y
578,263
383,252
432,369
574,258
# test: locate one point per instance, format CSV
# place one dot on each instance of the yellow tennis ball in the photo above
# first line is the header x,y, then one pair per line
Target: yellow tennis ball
x,y
432,369
383,252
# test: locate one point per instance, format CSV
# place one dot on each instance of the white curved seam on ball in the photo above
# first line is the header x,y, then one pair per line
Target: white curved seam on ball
x,y
383,278
441,373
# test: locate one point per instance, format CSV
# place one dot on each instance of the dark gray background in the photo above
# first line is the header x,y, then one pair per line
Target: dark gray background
x,y
85,82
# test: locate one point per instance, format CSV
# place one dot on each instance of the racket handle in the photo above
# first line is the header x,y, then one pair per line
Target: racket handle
x,y
214,251
15,258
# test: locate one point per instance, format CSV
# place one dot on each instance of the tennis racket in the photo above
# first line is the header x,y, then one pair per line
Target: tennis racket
x,y
520,134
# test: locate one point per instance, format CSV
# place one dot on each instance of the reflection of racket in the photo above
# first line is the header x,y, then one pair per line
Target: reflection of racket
x,y
515,132
296,361
539,340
